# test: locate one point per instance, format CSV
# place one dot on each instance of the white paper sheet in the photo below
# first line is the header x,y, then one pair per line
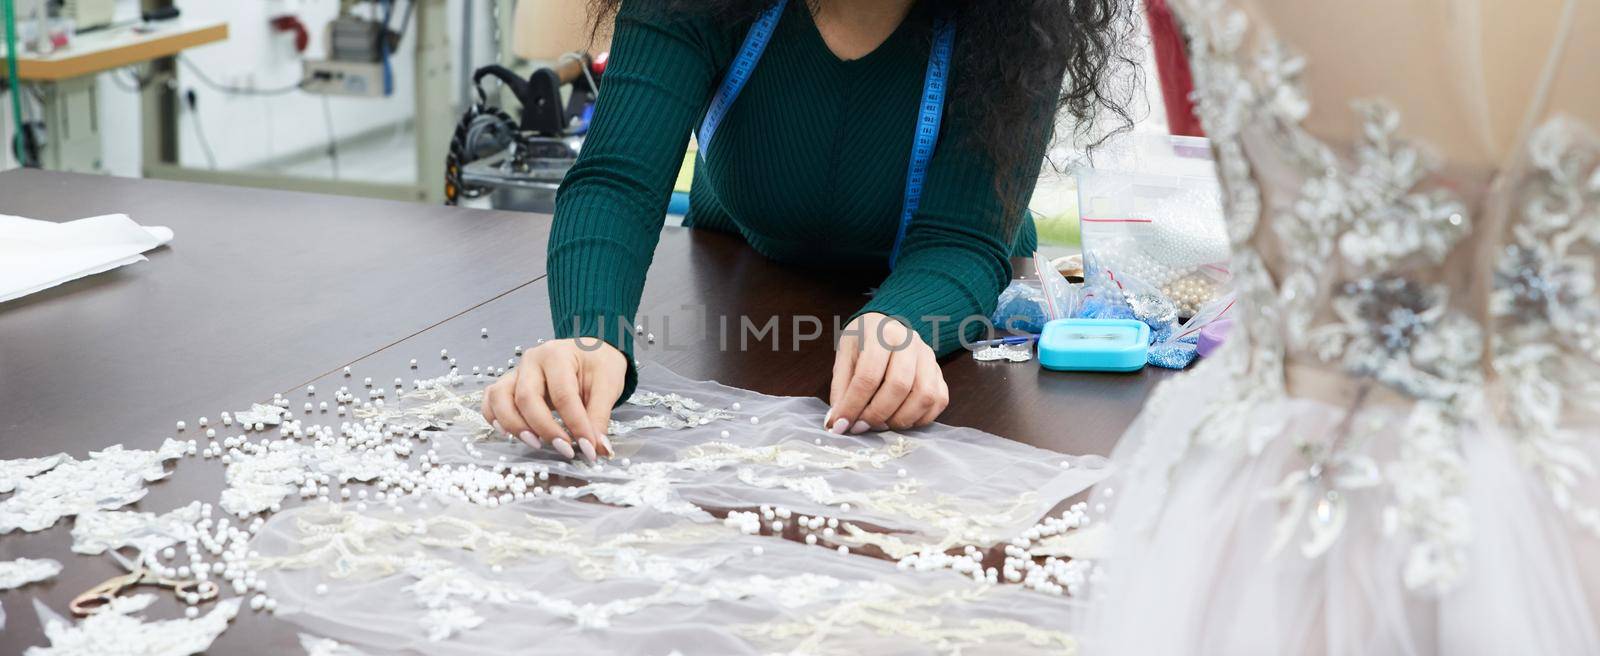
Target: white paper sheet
x,y
37,255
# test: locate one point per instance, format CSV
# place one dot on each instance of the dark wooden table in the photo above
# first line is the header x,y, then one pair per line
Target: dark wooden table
x,y
267,291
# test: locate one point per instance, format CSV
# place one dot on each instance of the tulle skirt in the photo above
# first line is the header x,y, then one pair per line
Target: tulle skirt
x,y
1190,565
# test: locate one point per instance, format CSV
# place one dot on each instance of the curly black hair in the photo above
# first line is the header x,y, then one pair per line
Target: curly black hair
x,y
1012,59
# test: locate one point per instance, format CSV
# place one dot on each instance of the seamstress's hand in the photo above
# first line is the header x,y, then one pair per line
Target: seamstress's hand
x,y
884,376
580,379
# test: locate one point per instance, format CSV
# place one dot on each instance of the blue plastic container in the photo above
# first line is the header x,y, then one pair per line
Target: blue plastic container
x,y
1094,345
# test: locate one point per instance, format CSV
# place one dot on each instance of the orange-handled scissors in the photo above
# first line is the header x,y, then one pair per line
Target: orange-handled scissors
x,y
97,597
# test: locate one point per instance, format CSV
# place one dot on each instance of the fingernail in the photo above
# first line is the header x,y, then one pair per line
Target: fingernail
x,y
497,428
588,449
828,420
563,447
532,440
859,427
606,442
839,425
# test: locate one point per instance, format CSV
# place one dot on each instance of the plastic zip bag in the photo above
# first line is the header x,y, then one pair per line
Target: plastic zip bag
x,y
1152,210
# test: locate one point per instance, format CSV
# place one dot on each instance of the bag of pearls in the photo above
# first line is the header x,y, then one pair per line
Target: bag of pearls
x,y
1152,211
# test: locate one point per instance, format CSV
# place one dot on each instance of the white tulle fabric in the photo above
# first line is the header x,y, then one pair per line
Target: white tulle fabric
x,y
639,555
555,576
1396,453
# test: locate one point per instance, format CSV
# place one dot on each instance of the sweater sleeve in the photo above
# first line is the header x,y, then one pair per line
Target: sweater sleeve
x,y
610,207
955,257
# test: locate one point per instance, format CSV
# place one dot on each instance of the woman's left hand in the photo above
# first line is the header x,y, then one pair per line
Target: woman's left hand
x,y
884,377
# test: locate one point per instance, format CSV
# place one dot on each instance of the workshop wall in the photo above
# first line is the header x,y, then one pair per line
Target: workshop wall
x,y
247,131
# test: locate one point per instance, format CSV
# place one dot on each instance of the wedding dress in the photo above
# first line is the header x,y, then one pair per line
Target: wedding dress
x,y
1397,451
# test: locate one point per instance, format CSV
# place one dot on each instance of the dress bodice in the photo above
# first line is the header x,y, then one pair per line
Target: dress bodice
x,y
1414,207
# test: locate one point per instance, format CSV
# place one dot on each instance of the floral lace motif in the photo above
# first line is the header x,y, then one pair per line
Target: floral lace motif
x,y
97,532
907,616
434,406
316,646
22,571
1545,304
13,471
682,412
109,479
1403,335
116,631
353,545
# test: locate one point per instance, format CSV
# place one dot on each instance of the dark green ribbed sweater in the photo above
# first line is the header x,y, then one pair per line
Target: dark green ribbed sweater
x,y
809,166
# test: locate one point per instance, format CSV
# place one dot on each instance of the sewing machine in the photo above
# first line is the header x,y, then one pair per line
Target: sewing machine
x,y
520,162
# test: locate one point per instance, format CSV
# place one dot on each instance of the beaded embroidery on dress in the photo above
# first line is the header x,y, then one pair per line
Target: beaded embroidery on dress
x,y
1407,413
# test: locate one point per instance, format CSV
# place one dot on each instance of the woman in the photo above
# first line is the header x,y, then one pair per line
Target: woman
x,y
810,165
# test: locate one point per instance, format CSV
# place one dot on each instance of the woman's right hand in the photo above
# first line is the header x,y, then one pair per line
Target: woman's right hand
x,y
578,378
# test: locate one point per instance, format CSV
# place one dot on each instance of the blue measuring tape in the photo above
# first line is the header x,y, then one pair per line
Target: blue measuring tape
x,y
755,43
929,112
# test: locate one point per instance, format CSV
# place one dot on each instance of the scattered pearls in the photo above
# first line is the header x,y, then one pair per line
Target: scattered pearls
x,y
484,333
182,426
757,550
322,588
444,353
191,612
755,420
413,363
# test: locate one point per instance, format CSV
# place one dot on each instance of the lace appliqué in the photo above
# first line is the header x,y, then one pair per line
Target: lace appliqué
x,y
22,571
682,412
1403,335
116,631
109,479
97,532
316,646
1545,303
914,617
13,471
434,406
353,545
